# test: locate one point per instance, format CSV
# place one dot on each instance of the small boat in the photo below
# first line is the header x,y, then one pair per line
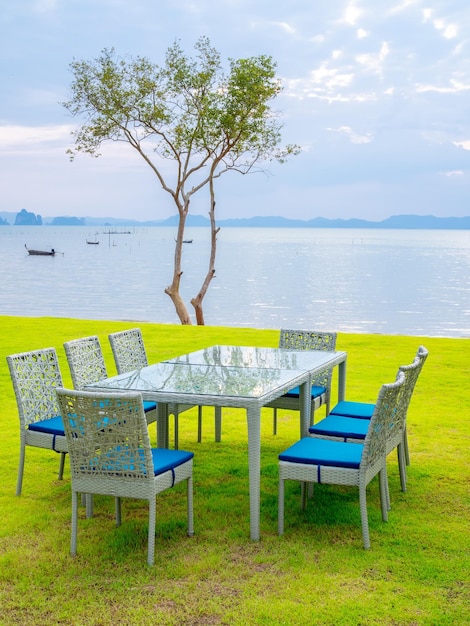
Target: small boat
x,y
187,241
93,243
50,252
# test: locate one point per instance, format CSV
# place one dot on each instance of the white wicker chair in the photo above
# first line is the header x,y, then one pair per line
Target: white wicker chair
x,y
349,420
313,460
35,376
321,387
129,354
110,454
128,350
353,430
86,363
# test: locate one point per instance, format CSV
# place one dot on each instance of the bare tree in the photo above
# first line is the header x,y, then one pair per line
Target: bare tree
x,y
189,111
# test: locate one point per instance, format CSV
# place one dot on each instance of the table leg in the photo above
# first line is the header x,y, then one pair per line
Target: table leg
x,y
254,468
305,408
218,423
342,381
162,425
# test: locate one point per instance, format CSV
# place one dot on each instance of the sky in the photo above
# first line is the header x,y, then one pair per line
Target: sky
x,y
376,92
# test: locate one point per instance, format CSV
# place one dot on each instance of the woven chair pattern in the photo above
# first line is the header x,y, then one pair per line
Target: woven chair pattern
x,y
128,350
397,437
310,340
110,454
86,361
306,340
372,459
35,376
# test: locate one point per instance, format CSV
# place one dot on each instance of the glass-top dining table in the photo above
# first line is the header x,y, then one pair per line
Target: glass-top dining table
x,y
231,376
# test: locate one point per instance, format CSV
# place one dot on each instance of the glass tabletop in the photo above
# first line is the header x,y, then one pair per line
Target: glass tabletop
x,y
183,378
252,357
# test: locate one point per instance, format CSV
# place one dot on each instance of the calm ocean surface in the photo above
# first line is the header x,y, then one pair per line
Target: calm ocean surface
x,y
409,282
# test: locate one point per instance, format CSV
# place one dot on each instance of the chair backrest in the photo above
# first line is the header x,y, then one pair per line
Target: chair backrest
x,y
85,361
310,340
384,419
35,376
128,350
307,340
412,373
107,438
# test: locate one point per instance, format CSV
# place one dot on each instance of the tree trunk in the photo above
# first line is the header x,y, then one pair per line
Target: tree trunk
x,y
173,290
180,307
197,301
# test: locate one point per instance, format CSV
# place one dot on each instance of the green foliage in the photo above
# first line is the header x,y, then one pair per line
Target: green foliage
x,y
187,110
416,571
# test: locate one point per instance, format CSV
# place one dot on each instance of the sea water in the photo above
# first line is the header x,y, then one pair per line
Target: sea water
x,y
410,282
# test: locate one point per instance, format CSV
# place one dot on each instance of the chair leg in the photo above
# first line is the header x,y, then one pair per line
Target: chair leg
x,y
274,421
304,488
152,524
364,518
190,507
387,490
384,495
280,508
405,444
176,429
117,504
310,490
199,424
19,482
73,539
312,414
89,505
402,466
61,465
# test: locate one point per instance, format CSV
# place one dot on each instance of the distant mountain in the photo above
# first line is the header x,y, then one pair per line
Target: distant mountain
x,y
395,221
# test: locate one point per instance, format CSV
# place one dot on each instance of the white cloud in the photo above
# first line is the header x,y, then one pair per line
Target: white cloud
x,y
462,144
448,30
455,86
427,14
287,28
453,174
353,137
402,6
331,78
361,33
373,61
351,14
23,136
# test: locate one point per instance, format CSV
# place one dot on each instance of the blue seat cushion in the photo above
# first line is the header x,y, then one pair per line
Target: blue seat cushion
x,y
324,452
164,459
149,406
316,392
119,459
339,426
359,410
51,426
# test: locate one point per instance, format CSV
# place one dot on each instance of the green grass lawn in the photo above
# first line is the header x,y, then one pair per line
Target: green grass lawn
x,y
416,572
